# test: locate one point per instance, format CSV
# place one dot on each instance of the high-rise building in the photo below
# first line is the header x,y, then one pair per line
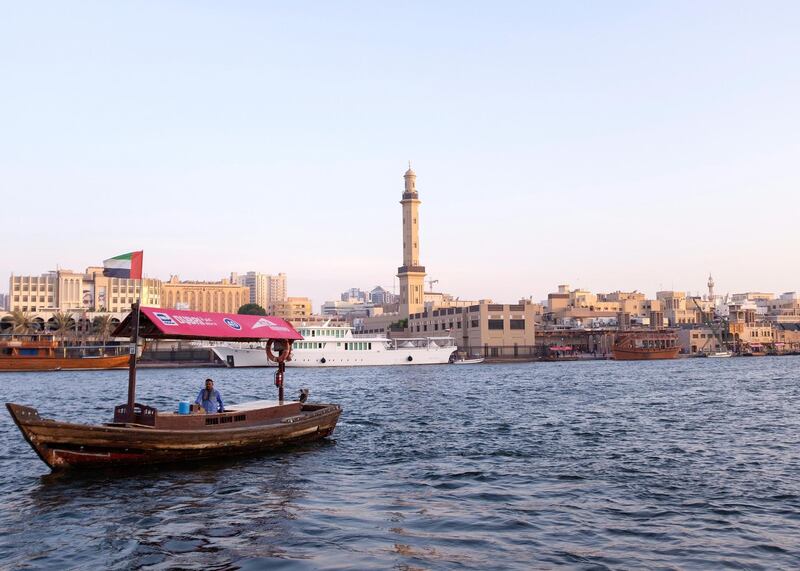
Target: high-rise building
x,y
264,288
276,288
411,273
353,294
380,296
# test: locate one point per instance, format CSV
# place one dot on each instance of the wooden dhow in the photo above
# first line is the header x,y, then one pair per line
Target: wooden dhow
x,y
142,435
36,352
645,345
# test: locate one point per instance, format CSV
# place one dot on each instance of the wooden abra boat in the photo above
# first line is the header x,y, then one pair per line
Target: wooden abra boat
x,y
42,353
142,435
645,345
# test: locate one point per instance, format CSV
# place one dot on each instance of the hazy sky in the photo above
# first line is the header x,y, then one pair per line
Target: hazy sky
x,y
608,145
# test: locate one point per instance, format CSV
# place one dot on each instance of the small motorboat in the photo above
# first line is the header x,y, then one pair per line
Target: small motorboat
x,y
468,361
141,435
719,354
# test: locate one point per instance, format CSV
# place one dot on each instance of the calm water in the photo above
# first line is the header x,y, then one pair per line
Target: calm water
x,y
681,464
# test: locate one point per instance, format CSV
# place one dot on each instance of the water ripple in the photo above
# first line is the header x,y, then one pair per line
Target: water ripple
x,y
681,464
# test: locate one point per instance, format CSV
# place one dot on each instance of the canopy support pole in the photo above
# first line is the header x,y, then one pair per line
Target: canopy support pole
x,y
132,361
279,380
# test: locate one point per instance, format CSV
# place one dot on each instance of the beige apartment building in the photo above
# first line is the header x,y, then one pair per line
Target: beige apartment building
x,y
489,329
216,297
33,293
582,308
264,288
748,329
693,340
291,309
66,290
785,309
787,337
679,309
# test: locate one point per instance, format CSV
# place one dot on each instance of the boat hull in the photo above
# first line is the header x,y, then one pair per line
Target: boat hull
x,y
34,363
64,445
645,354
719,355
247,357
468,361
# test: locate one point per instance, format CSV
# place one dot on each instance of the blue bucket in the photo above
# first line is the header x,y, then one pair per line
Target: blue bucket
x,y
183,407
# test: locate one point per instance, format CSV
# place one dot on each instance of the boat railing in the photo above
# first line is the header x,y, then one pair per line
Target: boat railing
x,y
142,414
91,350
422,342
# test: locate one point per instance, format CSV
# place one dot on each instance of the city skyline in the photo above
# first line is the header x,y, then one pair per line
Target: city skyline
x,y
612,148
174,279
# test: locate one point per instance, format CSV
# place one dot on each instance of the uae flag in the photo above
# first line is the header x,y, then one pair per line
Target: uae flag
x,y
124,266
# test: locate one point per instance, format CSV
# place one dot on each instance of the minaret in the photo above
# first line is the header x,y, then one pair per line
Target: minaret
x,y
411,273
710,288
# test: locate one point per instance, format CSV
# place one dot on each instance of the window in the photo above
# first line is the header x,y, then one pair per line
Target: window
x,y
517,324
473,323
436,327
495,324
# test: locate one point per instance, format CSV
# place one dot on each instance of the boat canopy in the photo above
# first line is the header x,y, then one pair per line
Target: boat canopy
x,y
157,323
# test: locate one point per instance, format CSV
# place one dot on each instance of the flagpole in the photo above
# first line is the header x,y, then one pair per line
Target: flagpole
x,y
135,310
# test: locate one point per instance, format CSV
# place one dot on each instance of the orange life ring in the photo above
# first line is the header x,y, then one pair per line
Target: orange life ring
x,y
284,351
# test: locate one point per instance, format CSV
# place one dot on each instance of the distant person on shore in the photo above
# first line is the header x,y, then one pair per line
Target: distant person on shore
x,y
210,399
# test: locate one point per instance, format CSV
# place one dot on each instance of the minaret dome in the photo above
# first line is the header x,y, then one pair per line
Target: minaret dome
x,y
411,180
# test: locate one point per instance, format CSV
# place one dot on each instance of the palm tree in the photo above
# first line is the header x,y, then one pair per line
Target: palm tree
x,y
22,322
63,322
103,326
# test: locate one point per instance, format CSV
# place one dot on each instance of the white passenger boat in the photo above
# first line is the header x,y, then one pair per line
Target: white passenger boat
x,y
335,346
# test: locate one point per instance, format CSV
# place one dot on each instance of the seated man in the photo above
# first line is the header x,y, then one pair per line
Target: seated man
x,y
209,399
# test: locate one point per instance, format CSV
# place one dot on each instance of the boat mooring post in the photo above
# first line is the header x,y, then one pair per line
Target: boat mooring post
x,y
132,361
